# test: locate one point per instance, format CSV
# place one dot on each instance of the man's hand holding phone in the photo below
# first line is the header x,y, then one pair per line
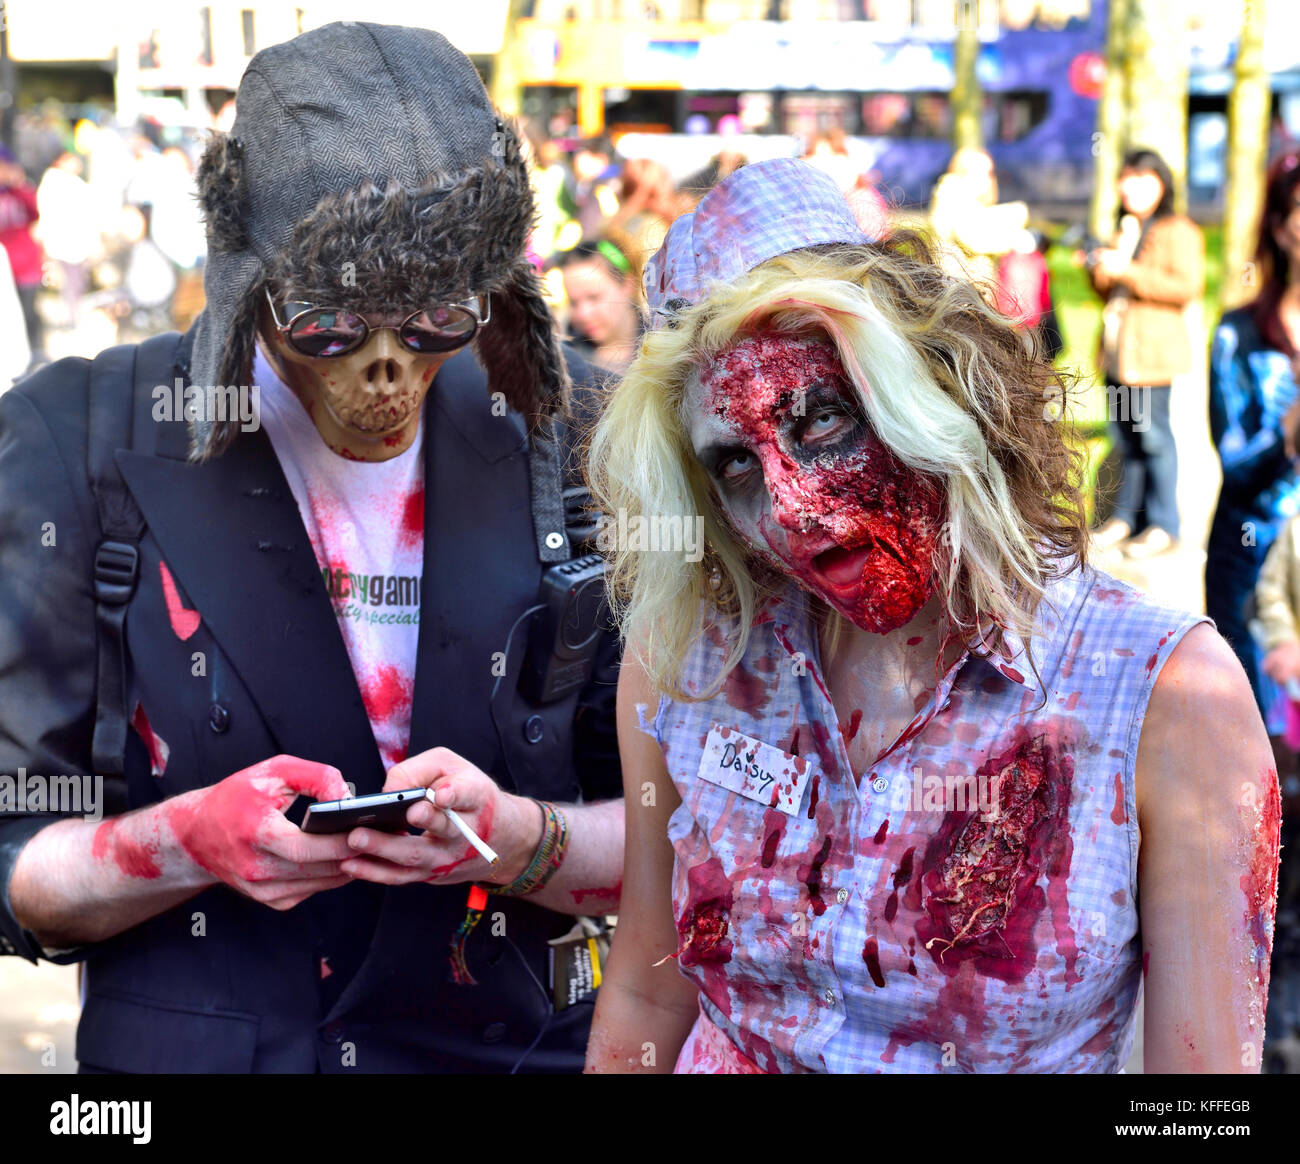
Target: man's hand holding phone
x,y
512,825
237,832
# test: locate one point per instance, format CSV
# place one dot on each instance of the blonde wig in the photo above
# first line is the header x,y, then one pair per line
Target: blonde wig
x,y
945,382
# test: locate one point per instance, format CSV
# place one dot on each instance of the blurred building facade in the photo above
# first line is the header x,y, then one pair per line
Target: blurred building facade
x,y
678,80
180,62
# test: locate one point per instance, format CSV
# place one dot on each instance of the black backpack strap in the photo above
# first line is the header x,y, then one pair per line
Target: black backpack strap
x,y
118,376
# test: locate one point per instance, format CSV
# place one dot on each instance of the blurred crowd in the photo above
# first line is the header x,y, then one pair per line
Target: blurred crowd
x,y
602,216
101,236
102,241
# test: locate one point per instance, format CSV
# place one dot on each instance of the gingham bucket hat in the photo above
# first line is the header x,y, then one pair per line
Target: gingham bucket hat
x,y
763,210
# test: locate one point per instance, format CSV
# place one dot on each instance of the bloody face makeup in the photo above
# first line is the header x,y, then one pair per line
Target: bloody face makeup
x,y
366,405
805,482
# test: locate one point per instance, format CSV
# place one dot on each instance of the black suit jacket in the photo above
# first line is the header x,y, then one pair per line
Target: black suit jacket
x,y
221,983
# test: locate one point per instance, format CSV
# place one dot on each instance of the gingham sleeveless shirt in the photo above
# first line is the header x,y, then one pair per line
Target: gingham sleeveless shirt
x,y
899,922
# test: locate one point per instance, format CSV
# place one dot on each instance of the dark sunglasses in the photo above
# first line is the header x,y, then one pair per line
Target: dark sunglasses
x,y
326,332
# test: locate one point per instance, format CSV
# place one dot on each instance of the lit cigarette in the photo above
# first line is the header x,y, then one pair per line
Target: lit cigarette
x,y
484,850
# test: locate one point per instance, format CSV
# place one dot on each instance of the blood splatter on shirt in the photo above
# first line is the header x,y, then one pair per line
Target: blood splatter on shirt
x,y
366,524
968,903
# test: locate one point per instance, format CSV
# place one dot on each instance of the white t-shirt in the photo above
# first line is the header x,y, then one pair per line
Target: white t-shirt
x,y
366,524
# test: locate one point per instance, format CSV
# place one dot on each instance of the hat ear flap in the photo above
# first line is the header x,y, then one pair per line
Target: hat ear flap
x,y
220,182
210,437
520,350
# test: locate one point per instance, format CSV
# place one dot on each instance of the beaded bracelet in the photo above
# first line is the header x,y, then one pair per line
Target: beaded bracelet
x,y
548,858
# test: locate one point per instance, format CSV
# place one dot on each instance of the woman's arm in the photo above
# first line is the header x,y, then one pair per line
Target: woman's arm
x,y
1252,458
644,1011
1178,276
1208,815
1273,599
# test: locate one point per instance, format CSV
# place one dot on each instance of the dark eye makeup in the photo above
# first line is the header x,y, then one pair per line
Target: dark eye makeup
x,y
830,423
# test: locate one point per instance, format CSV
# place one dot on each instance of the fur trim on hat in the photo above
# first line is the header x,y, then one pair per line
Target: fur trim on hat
x,y
209,437
220,182
396,249
520,349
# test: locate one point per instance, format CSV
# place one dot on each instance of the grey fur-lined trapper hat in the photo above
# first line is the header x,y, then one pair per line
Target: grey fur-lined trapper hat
x,y
367,168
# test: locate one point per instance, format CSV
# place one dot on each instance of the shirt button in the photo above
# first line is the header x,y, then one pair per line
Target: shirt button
x,y
879,784
829,996
218,718
841,895
534,729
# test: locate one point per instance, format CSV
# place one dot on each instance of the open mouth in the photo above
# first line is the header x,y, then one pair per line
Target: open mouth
x,y
842,567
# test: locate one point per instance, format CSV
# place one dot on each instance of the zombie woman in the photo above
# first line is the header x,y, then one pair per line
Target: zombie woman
x,y
910,786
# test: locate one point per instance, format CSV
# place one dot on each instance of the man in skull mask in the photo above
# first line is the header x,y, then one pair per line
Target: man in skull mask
x,y
329,599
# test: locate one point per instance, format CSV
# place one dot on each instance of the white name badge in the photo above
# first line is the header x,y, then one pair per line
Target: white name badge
x,y
742,764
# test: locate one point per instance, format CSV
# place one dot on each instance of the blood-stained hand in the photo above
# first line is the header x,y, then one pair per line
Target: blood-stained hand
x,y
511,825
237,831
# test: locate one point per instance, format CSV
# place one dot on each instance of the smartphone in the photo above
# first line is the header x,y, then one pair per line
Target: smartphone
x,y
383,811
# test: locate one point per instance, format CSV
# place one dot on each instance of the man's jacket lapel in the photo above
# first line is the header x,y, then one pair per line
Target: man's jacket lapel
x,y
231,535
480,566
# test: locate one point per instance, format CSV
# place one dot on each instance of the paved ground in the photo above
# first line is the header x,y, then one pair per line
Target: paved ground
x,y
38,1017
38,1006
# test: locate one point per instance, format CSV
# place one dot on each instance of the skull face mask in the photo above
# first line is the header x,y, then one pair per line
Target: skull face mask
x,y
365,404
311,196
805,482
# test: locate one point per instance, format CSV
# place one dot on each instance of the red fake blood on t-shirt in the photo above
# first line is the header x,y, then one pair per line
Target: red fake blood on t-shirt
x,y
413,518
386,693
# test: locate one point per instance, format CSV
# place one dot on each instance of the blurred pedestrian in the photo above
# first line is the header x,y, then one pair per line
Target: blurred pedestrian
x,y
869,206
69,229
547,173
1153,270
966,217
595,185
722,165
648,203
175,221
15,355
601,287
830,153
1277,611
148,275
1277,595
1253,410
18,213
1024,291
